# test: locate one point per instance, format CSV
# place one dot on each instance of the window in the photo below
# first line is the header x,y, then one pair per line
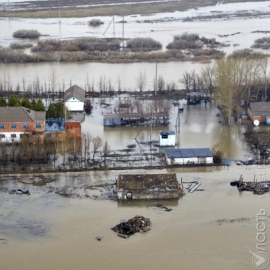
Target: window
x,y
13,126
2,126
24,125
21,135
13,136
164,136
38,125
49,135
2,136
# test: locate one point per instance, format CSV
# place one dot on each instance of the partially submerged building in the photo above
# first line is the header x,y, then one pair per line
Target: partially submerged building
x,y
148,186
74,98
188,156
17,121
167,138
259,111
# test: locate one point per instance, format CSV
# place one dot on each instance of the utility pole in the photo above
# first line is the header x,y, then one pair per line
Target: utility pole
x,y
156,80
59,11
123,31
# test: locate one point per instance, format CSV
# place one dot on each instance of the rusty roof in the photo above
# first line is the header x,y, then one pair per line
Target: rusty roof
x,y
74,91
260,108
20,114
143,181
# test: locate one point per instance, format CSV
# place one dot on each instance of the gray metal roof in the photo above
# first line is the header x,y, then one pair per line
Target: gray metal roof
x,y
188,152
20,114
75,91
169,132
260,108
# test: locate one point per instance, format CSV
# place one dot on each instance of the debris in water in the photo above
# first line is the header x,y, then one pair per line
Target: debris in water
x,y
133,225
98,238
257,187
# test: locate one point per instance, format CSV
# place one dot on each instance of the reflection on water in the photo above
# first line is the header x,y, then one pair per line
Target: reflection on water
x,y
199,127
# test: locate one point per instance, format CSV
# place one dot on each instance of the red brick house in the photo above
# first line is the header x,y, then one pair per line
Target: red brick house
x,y
16,121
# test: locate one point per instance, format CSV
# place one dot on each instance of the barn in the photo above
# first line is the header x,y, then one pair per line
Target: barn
x,y
188,156
148,186
259,111
74,99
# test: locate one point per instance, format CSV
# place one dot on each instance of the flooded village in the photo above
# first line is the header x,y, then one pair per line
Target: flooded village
x,y
161,153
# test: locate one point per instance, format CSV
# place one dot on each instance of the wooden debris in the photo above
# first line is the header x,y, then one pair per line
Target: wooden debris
x,y
258,188
133,225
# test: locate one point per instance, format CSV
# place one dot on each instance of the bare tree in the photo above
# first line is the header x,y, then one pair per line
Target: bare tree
x,y
106,150
141,81
186,80
97,143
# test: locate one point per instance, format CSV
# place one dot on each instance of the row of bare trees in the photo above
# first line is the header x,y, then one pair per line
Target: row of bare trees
x,y
34,149
232,81
53,85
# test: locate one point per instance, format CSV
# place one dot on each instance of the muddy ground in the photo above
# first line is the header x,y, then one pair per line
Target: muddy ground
x,y
82,8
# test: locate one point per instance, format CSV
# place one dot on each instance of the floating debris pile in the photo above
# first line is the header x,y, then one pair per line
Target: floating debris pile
x,y
133,225
257,187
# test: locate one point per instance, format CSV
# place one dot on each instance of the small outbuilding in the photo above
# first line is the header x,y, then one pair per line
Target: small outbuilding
x,y
148,186
259,111
189,156
74,98
167,138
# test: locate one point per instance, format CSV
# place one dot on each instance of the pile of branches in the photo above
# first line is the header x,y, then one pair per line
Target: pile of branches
x,y
133,225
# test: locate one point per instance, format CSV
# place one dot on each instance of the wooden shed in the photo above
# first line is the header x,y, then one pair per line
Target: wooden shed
x,y
148,186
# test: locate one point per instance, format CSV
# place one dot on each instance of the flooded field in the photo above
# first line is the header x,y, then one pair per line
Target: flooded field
x,y
210,229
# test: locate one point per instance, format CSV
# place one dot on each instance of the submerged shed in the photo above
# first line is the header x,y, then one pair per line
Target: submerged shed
x,y
148,186
189,156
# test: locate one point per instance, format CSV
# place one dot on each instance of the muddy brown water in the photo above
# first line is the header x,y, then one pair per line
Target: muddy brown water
x,y
210,229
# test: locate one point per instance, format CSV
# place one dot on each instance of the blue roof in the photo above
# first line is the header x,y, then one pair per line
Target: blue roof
x,y
169,132
188,152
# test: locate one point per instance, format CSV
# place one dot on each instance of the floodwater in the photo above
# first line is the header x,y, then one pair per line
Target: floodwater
x,y
210,229
163,27
199,127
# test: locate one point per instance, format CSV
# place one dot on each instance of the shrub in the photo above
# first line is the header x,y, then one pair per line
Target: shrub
x,y
26,34
95,22
19,46
143,44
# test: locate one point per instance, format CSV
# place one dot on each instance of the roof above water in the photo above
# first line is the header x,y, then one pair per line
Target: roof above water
x,y
143,181
188,152
20,114
74,91
260,108
169,132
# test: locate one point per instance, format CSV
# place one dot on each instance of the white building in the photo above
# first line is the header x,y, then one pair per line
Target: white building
x,y
189,156
166,138
74,99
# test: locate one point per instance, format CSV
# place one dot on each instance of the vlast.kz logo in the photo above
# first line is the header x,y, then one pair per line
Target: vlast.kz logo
x,y
260,260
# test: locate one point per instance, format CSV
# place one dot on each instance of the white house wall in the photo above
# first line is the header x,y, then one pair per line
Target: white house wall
x,y
74,105
170,141
8,136
192,160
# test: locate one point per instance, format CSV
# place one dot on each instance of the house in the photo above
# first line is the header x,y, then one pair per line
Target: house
x,y
74,98
259,111
57,128
166,138
148,186
16,121
189,156
73,129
